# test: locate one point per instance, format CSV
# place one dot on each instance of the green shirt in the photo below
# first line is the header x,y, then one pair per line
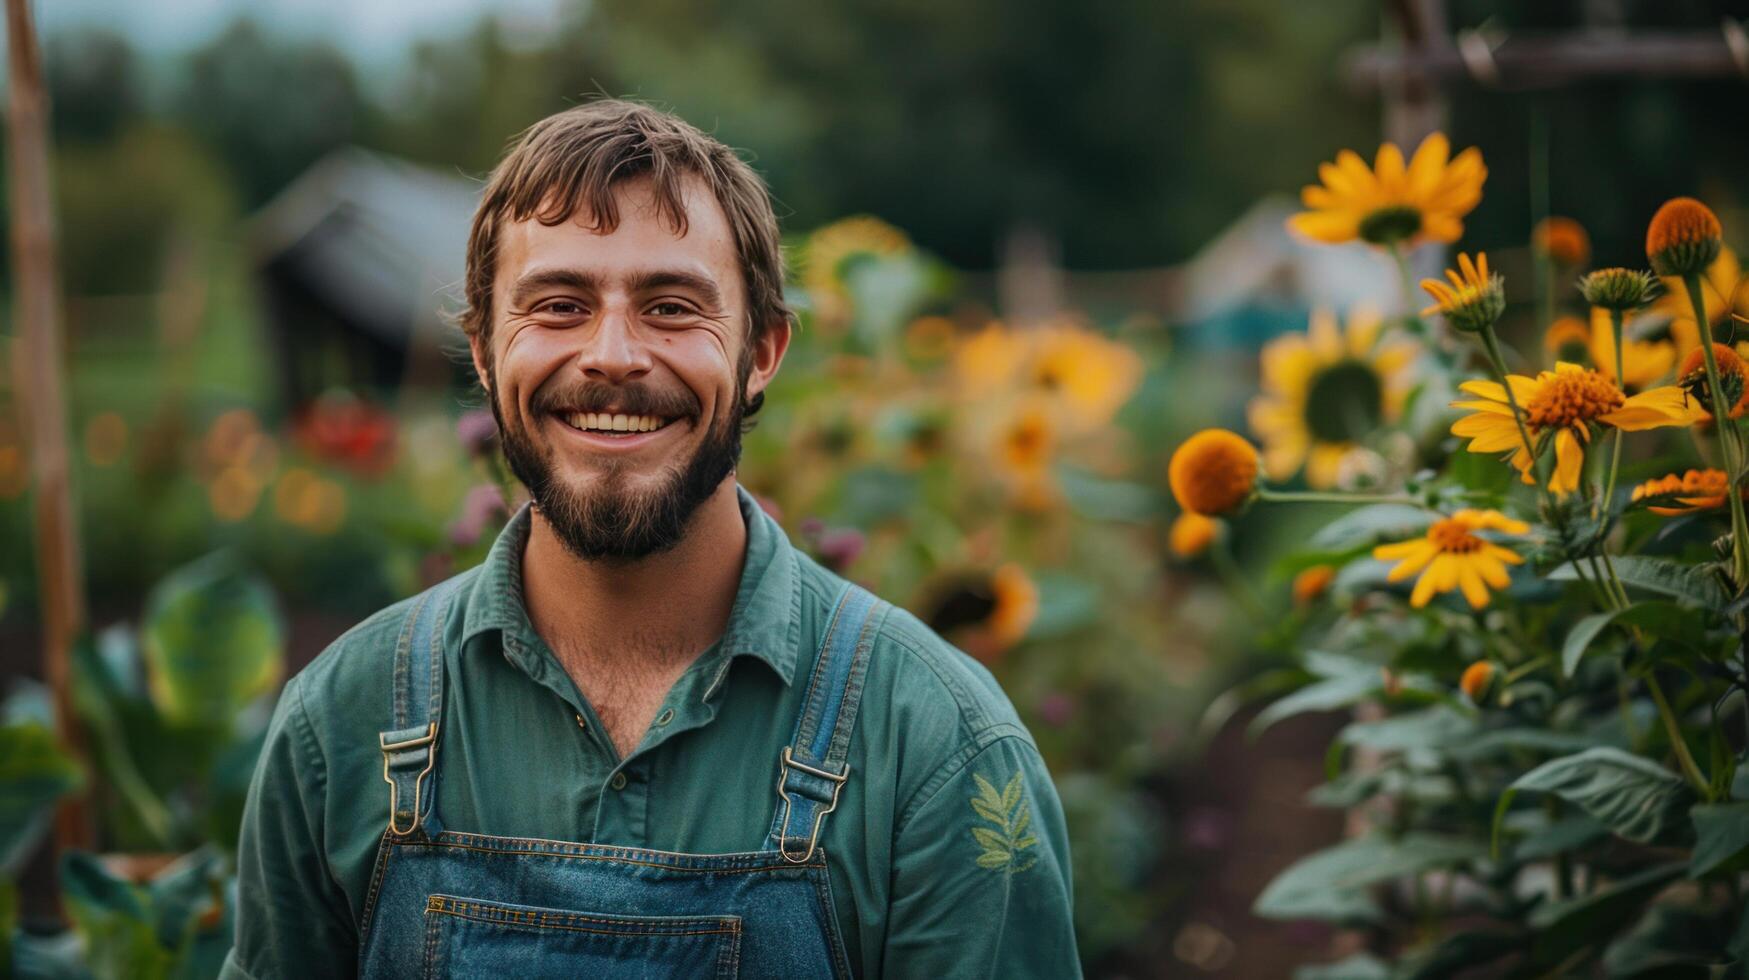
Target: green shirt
x,y
947,853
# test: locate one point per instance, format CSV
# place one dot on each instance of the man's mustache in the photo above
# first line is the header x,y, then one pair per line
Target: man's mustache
x,y
627,399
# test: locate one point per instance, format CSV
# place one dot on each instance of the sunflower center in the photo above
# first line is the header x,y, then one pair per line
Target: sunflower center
x,y
1453,536
1392,223
1344,401
1572,399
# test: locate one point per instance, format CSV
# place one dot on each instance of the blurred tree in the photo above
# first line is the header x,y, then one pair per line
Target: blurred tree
x,y
95,84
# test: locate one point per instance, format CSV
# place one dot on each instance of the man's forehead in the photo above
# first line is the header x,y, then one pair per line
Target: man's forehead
x,y
642,224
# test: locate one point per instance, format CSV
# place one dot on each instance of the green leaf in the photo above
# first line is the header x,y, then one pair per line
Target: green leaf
x,y
1661,575
988,795
1332,884
1580,636
1011,794
989,812
1565,834
1721,833
995,860
1505,740
991,840
34,773
212,641
1371,525
1636,798
1360,966
1324,695
1437,727
114,921
1666,939
1456,954
1564,927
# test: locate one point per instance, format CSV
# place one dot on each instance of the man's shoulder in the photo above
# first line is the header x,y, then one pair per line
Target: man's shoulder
x,y
928,684
359,664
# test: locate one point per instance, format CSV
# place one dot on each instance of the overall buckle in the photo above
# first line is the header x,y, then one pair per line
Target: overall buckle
x,y
389,750
837,780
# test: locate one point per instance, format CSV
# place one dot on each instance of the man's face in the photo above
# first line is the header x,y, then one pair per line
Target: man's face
x,y
619,366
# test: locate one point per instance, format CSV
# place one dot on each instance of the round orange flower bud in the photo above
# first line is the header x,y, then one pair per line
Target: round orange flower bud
x,y
1311,583
1478,678
1563,240
1213,472
1733,378
1191,534
1683,238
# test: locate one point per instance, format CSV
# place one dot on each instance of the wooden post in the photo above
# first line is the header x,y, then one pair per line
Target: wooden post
x,y
41,397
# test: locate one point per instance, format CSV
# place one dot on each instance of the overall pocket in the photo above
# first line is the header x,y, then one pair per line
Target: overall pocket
x,y
465,937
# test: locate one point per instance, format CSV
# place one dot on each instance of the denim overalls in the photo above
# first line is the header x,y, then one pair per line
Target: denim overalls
x,y
446,903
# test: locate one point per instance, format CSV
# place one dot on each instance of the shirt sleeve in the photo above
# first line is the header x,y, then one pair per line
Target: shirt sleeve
x,y
292,917
981,884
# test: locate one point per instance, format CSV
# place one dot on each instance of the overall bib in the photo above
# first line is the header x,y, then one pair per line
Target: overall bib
x,y
446,903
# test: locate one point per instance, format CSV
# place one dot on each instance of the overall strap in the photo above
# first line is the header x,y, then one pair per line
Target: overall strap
x,y
813,766
410,748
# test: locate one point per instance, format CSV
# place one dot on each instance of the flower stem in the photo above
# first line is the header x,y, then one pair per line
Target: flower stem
x,y
1492,343
1615,453
1677,743
1315,496
1727,435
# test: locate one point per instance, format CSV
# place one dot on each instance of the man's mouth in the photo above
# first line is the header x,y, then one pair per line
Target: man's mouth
x,y
613,423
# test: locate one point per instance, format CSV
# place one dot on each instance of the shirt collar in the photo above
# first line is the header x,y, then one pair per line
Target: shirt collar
x,y
764,623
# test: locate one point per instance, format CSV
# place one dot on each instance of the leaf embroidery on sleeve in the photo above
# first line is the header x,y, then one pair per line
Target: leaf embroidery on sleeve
x,y
1009,811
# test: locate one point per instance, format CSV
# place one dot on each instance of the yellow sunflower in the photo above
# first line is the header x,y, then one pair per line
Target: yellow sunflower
x,y
1643,361
1718,286
1392,203
1567,400
1452,556
1083,373
827,250
1693,490
1326,390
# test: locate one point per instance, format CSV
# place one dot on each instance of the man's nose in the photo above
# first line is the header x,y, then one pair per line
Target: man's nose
x,y
613,350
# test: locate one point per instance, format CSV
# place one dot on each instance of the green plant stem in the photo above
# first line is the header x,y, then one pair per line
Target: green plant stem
x,y
1727,435
1615,454
1492,344
1324,497
1234,579
1621,592
1680,745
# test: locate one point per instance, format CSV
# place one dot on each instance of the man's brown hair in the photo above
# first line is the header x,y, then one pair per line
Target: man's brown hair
x,y
573,160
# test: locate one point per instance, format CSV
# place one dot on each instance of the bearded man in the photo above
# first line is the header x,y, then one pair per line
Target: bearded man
x,y
647,737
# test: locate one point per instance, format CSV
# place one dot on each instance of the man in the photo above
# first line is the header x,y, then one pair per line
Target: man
x,y
647,737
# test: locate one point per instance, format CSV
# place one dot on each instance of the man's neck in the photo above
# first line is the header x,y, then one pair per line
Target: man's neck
x,y
669,605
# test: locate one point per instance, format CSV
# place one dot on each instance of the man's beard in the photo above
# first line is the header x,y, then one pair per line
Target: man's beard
x,y
612,520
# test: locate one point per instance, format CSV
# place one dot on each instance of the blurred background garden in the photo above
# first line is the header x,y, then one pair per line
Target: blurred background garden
x,y
1035,245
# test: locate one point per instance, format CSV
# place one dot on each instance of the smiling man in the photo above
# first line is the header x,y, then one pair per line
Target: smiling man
x,y
647,737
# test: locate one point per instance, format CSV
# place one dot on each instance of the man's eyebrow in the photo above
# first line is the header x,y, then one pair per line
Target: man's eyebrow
x,y
530,283
707,290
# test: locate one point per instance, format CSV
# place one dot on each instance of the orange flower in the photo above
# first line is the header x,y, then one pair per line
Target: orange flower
x,y
1683,238
1567,339
1311,583
1694,490
1563,240
1391,202
1477,679
1191,534
1452,556
1691,378
1213,472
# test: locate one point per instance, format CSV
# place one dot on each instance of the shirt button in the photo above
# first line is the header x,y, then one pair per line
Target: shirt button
x,y
665,717
618,781
582,724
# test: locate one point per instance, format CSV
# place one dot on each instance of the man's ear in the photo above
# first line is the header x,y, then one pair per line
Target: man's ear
x,y
768,351
478,346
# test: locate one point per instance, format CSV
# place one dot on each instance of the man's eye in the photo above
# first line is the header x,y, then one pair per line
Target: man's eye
x,y
670,308
562,307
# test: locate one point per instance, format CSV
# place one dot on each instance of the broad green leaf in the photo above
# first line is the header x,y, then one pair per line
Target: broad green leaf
x,y
1504,740
1636,798
991,840
113,919
1332,884
1566,834
1721,833
34,773
1360,966
1370,525
1438,727
212,641
1592,919
1324,695
1457,954
1580,636
1667,939
1661,575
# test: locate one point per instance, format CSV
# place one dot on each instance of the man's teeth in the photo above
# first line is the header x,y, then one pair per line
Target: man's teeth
x,y
603,422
